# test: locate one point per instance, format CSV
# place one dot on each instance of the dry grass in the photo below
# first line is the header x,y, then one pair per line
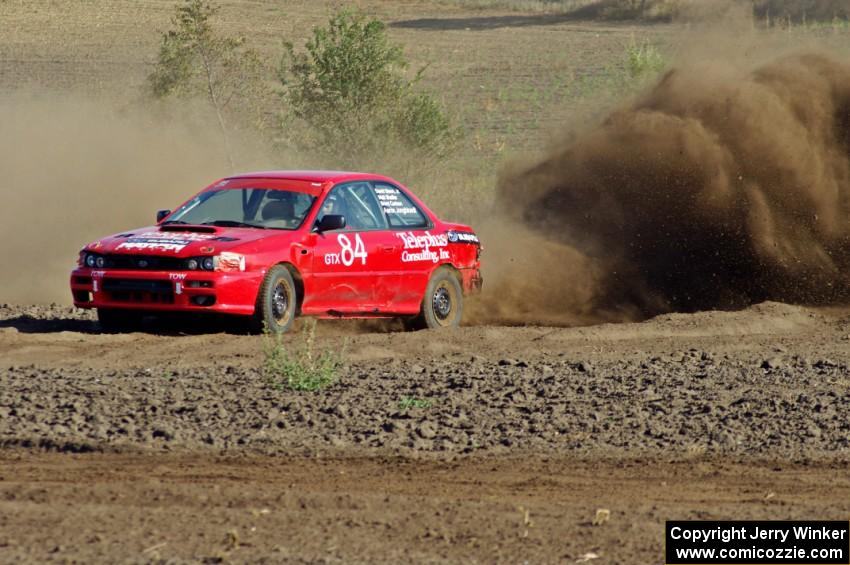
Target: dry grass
x,y
548,6
602,516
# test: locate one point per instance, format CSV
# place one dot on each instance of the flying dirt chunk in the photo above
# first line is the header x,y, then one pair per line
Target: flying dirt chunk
x,y
716,189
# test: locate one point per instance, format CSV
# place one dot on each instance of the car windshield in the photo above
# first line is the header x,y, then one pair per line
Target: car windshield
x,y
261,208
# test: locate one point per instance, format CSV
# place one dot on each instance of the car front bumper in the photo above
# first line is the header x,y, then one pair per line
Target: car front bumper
x,y
185,291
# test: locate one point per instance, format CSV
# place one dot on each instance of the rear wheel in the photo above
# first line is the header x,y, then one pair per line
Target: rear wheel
x,y
276,302
114,320
442,305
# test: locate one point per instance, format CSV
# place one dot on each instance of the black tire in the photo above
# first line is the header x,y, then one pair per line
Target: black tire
x,y
277,302
113,320
442,305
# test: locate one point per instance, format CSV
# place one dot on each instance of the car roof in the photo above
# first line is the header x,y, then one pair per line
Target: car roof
x,y
310,176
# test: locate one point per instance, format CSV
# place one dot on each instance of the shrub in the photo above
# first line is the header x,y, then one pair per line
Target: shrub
x,y
195,59
348,98
409,402
644,60
304,368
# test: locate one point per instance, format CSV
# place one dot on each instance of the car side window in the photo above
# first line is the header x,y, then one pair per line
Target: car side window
x,y
357,203
400,210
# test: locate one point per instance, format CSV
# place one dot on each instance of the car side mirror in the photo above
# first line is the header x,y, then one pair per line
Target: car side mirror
x,y
330,222
161,214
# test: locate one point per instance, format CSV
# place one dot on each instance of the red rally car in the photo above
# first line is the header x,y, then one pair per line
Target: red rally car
x,y
270,246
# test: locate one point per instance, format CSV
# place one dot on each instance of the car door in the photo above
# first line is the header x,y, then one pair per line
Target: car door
x,y
416,250
347,262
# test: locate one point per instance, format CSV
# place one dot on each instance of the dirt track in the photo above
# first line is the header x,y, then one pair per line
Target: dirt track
x,y
714,415
192,508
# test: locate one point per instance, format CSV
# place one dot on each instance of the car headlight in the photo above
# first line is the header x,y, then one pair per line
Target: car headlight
x,y
91,260
203,263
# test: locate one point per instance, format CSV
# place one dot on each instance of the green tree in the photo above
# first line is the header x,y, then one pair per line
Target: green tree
x,y
348,92
195,59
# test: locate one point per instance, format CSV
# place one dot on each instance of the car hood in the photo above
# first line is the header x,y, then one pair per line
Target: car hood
x,y
179,240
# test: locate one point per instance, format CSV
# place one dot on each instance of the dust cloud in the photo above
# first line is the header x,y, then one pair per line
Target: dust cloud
x,y
717,188
76,168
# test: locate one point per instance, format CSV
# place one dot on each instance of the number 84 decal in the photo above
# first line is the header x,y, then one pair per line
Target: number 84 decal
x,y
348,253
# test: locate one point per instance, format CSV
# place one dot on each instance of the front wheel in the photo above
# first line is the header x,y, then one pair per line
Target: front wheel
x,y
276,302
442,305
